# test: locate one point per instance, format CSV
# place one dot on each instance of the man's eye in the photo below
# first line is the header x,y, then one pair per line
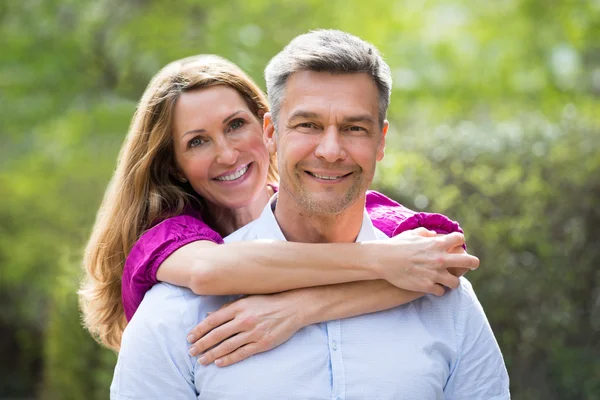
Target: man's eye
x,y
306,125
195,142
356,129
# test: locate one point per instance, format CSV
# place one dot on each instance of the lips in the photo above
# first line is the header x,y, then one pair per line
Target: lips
x,y
235,175
328,176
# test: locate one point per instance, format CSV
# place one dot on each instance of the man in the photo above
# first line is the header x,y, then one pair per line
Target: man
x,y
329,93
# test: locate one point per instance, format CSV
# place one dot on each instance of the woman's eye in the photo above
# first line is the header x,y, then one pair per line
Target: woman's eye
x,y
195,142
236,124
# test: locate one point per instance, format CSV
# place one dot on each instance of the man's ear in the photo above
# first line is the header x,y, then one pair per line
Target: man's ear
x,y
381,147
269,133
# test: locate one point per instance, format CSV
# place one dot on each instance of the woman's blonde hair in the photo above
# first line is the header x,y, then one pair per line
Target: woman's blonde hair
x,y
144,187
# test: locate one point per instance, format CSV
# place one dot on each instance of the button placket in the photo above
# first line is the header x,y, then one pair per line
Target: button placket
x,y
337,363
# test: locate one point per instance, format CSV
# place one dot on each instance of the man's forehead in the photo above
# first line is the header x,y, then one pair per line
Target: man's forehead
x,y
318,94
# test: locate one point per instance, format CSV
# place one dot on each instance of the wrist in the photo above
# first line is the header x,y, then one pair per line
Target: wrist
x,y
302,304
371,261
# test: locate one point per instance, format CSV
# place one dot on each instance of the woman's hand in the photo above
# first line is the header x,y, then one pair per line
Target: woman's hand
x,y
248,326
428,262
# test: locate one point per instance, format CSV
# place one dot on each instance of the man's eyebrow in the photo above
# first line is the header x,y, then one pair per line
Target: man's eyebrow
x,y
201,130
304,114
360,118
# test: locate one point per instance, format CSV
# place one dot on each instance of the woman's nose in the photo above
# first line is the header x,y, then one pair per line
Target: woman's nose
x,y
227,154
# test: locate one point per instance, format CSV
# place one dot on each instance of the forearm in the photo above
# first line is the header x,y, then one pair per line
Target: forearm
x,y
255,267
324,303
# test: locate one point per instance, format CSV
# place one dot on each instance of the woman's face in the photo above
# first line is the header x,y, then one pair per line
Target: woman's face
x,y
219,146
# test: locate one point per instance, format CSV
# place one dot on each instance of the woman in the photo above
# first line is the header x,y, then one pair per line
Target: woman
x,y
194,168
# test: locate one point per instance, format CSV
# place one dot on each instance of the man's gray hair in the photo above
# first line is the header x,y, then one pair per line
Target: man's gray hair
x,y
332,51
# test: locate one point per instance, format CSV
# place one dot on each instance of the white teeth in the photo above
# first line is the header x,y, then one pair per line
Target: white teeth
x,y
233,176
331,178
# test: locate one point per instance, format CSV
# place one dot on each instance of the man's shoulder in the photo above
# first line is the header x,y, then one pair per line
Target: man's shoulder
x,y
165,291
175,308
454,303
166,304
463,294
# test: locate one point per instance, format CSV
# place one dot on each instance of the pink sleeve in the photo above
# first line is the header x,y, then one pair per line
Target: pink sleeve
x,y
393,218
152,248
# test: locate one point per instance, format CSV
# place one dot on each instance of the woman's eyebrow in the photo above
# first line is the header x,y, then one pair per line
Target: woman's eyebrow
x,y
202,130
232,115
193,131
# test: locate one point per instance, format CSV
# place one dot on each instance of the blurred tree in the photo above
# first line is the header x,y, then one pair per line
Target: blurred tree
x,y
495,121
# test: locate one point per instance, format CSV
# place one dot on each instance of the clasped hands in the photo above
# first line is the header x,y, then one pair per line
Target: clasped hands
x,y
430,263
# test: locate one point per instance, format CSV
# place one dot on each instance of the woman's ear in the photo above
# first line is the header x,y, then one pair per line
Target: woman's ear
x,y
269,133
177,174
261,114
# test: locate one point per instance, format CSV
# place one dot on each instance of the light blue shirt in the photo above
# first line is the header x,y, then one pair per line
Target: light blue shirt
x,y
432,348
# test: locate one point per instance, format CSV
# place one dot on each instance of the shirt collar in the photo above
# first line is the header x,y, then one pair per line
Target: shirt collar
x,y
266,226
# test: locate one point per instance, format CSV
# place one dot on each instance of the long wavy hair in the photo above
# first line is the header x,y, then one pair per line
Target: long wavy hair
x,y
145,188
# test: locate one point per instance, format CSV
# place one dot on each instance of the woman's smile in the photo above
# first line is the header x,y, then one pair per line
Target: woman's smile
x,y
228,166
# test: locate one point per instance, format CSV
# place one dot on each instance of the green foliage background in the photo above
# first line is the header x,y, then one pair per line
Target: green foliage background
x,y
495,122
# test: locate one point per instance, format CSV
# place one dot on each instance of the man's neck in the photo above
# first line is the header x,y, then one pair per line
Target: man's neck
x,y
299,226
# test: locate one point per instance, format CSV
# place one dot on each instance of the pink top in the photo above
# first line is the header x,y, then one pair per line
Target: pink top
x,y
161,240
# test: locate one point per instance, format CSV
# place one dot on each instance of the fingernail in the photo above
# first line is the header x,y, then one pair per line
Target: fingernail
x,y
191,338
202,360
219,362
192,352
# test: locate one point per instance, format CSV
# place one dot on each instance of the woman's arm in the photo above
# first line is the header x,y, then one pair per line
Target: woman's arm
x,y
408,261
259,323
256,324
346,300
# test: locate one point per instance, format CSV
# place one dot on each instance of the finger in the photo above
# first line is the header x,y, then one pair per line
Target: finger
x,y
449,280
438,290
240,354
215,337
452,240
462,261
424,232
226,305
212,321
226,347
458,271
434,288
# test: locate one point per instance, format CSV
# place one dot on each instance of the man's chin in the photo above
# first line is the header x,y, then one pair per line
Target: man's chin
x,y
326,204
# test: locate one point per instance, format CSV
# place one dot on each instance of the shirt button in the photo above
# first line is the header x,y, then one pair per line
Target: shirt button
x,y
334,347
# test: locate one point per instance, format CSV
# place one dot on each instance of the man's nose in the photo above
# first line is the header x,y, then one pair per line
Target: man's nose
x,y
330,147
227,154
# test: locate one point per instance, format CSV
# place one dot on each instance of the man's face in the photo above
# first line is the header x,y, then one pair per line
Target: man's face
x,y
328,139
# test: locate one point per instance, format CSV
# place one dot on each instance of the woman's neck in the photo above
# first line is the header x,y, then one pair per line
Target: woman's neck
x,y
226,220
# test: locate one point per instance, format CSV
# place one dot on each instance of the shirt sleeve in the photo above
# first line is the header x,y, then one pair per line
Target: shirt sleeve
x,y
153,360
152,249
393,218
435,222
479,371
